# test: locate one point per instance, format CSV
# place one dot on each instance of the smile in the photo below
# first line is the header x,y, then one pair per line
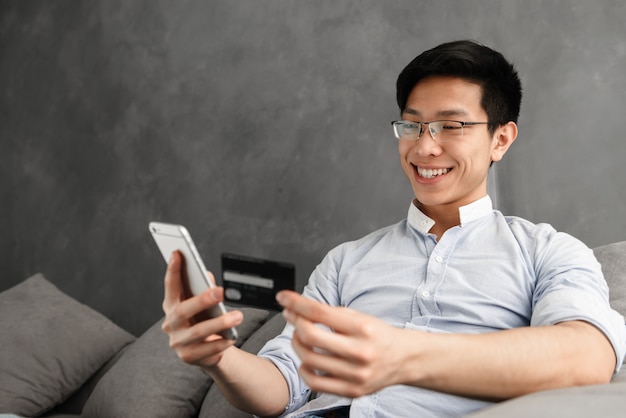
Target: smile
x,y
428,173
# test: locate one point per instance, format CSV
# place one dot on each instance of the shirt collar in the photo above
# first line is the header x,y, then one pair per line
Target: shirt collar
x,y
467,213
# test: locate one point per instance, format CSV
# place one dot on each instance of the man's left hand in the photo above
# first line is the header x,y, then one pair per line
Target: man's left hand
x,y
359,355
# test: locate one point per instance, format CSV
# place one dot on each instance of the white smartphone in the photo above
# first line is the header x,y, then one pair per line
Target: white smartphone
x,y
170,238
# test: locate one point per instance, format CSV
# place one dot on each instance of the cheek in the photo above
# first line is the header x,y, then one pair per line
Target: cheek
x,y
403,151
478,156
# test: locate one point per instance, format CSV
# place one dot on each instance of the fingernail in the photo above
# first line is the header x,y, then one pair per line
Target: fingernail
x,y
280,297
216,294
236,316
288,315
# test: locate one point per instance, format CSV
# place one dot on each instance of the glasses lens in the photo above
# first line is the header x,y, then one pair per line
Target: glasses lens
x,y
408,131
446,130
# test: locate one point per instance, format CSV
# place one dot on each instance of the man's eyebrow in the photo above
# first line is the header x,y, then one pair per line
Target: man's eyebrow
x,y
410,111
441,114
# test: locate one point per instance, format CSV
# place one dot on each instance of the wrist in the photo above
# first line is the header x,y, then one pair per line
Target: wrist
x,y
414,368
218,368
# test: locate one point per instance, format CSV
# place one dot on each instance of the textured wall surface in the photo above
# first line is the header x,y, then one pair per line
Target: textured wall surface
x,y
263,126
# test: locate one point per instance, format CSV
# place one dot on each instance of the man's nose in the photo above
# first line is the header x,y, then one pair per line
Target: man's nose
x,y
426,144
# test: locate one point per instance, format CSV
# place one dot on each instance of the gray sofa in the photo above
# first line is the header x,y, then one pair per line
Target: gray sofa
x,y
60,358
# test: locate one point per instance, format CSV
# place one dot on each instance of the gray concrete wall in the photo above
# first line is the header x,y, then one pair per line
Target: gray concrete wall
x,y
264,127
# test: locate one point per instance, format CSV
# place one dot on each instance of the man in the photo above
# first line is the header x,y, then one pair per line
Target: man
x,y
453,308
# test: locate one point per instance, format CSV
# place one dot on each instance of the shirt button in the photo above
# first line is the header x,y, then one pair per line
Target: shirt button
x,y
439,259
425,293
424,223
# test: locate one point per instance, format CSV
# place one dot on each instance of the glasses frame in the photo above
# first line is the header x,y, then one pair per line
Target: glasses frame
x,y
432,134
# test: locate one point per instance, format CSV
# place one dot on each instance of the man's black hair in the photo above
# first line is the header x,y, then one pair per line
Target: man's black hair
x,y
475,63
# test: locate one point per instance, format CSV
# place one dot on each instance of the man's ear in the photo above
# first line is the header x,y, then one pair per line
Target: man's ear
x,y
504,137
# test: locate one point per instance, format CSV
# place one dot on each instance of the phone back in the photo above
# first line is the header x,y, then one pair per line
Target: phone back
x,y
170,238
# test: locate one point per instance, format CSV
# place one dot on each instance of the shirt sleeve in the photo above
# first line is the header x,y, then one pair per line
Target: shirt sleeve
x,y
571,286
279,351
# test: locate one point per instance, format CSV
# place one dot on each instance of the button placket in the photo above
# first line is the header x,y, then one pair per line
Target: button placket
x,y
434,276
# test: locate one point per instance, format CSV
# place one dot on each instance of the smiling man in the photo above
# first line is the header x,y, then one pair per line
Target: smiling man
x,y
451,309
446,168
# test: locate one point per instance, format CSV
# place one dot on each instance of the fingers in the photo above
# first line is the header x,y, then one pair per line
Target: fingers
x,y
344,370
341,320
177,308
205,353
184,313
313,335
173,281
296,306
342,337
200,344
302,306
347,355
195,341
204,331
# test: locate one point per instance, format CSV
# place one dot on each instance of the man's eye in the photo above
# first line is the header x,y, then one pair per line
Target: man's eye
x,y
451,126
411,126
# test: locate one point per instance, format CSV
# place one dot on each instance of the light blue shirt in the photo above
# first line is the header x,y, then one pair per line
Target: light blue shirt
x,y
491,273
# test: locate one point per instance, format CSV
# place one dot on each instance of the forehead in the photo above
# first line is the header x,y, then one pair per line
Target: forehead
x,y
445,96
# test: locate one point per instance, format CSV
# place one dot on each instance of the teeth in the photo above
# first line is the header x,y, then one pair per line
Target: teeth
x,y
429,174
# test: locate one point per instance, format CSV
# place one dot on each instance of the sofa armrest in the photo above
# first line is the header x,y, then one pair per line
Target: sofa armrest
x,y
612,257
607,401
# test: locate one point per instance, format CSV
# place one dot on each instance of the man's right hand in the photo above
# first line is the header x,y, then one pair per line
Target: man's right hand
x,y
253,384
195,342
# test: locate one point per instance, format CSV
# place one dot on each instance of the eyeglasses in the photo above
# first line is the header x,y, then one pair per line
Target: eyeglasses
x,y
440,130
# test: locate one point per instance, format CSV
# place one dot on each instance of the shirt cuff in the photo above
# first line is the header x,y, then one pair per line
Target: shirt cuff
x,y
576,305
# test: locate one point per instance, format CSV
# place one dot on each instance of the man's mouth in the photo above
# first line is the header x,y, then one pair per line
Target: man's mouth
x,y
429,173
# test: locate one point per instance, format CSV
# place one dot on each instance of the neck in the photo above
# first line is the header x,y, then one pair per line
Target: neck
x,y
445,216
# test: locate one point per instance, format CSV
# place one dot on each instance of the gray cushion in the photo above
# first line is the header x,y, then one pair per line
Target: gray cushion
x,y
74,404
613,260
51,344
149,380
606,401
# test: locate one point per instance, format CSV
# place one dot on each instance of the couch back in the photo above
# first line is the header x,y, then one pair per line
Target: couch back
x,y
612,257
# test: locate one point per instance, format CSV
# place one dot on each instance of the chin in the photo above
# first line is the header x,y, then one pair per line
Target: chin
x,y
429,201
